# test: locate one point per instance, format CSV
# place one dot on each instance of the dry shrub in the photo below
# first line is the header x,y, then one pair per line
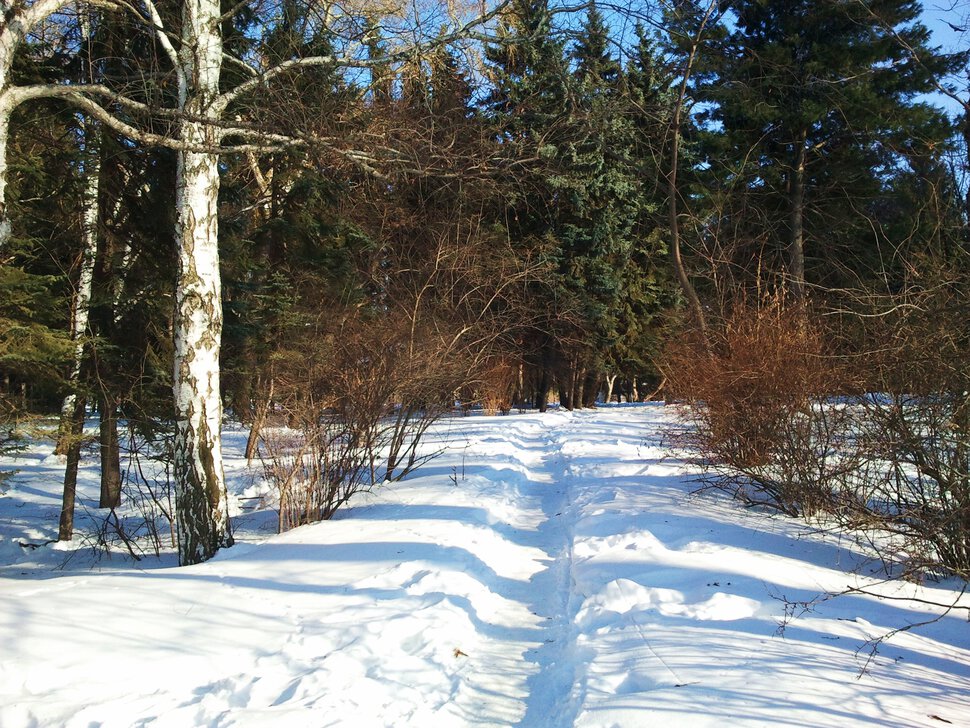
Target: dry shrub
x,y
759,395
10,440
359,399
314,470
917,424
866,421
498,385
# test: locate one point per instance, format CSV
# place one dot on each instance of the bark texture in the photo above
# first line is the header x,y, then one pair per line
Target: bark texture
x,y
5,111
201,509
65,529
8,45
110,454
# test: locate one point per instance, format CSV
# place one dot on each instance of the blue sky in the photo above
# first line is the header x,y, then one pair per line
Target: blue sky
x,y
938,15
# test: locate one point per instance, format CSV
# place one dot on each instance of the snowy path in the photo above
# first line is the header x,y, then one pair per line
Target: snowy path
x,y
548,570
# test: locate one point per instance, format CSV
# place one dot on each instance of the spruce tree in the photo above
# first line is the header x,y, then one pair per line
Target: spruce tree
x,y
813,104
528,109
600,195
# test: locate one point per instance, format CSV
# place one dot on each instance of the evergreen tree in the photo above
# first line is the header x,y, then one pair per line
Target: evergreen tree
x,y
600,196
528,107
813,104
647,288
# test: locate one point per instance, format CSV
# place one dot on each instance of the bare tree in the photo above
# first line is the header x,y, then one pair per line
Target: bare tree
x,y
690,293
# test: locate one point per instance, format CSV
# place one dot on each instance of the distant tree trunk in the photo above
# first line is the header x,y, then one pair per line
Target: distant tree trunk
x,y
673,193
796,246
542,390
110,454
261,411
65,529
565,387
590,389
610,381
965,128
200,505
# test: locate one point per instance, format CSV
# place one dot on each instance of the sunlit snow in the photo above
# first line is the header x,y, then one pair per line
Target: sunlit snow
x,y
546,570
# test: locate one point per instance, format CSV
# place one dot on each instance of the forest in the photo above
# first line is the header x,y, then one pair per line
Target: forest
x,y
347,220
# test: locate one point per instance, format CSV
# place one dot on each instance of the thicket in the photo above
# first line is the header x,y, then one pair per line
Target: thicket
x,y
868,434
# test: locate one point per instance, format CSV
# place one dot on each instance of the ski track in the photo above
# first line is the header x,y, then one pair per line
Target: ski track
x,y
553,698
547,571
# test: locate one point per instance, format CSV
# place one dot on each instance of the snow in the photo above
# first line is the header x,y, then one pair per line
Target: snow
x,y
546,570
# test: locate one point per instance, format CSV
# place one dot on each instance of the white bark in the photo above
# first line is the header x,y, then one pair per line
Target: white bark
x,y
610,381
5,111
82,297
8,45
201,507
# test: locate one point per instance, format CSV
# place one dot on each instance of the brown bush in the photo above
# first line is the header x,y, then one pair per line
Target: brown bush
x,y
916,425
498,385
758,391
866,420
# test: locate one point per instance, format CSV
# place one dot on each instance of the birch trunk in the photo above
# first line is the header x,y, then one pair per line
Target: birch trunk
x,y
201,508
610,382
8,46
6,108
81,310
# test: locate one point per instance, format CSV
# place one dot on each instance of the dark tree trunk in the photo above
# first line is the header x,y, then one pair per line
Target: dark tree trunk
x,y
590,389
579,389
110,455
565,386
542,392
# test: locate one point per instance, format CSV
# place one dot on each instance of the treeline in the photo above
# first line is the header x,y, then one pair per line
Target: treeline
x,y
309,213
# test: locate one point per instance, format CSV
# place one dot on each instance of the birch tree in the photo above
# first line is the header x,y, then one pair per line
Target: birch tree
x,y
201,502
72,408
201,509
18,19
202,132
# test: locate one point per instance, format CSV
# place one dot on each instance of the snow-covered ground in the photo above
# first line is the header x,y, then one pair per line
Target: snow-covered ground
x,y
547,570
